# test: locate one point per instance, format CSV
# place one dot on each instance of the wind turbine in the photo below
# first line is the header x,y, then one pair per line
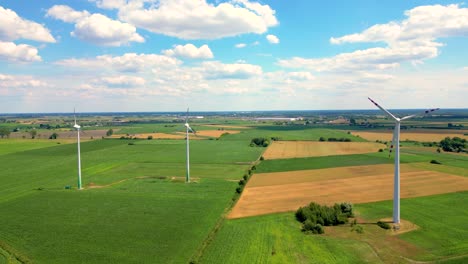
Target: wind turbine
x,y
396,143
77,127
187,128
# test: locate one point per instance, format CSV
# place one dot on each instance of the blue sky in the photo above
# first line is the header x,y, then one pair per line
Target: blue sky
x,y
165,55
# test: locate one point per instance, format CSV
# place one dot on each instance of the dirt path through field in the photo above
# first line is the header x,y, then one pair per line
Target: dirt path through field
x,y
359,189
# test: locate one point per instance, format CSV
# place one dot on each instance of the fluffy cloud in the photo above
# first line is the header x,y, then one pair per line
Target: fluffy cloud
x,y
300,76
66,13
96,28
22,53
129,62
20,81
423,23
197,19
368,59
121,81
13,27
109,4
410,40
190,51
272,39
218,70
241,45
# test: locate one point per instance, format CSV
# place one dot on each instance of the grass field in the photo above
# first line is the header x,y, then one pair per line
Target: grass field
x,y
17,145
301,149
442,220
277,239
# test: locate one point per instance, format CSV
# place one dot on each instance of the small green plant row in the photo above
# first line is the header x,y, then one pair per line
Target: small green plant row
x,y
332,139
245,179
315,216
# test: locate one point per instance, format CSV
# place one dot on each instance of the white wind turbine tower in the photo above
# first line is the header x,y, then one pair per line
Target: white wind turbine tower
x,y
187,129
396,143
77,127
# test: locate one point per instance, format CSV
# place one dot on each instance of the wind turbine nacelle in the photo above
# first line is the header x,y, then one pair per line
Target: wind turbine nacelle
x,y
76,126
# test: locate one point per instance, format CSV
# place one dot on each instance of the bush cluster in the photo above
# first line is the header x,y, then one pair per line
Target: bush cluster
x,y
332,139
454,144
315,216
383,225
259,142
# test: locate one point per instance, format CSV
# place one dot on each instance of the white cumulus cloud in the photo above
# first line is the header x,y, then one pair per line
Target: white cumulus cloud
x,y
129,62
109,4
272,39
241,45
20,53
218,70
121,81
13,27
198,19
300,76
190,51
96,28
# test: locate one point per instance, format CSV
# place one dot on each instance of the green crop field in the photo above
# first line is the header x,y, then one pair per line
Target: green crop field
x,y
290,133
277,238
146,218
16,145
442,220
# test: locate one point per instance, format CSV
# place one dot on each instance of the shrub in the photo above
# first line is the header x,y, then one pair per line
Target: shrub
x,y
131,143
321,139
435,162
259,142
315,216
380,150
262,158
242,182
245,177
150,137
239,189
383,225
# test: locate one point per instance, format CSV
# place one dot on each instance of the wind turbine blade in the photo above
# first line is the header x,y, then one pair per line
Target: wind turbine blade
x,y
422,113
381,108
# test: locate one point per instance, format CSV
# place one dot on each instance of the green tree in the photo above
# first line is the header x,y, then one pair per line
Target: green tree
x,y
53,136
33,133
4,132
109,132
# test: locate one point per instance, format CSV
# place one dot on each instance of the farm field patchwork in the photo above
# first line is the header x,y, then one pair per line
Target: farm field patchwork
x,y
301,149
408,135
273,192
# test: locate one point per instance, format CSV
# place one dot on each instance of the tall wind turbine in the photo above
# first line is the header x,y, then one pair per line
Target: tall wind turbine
x,y
187,129
396,143
77,127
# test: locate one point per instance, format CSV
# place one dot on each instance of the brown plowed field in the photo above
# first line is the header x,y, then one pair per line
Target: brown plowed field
x,y
355,186
302,149
407,135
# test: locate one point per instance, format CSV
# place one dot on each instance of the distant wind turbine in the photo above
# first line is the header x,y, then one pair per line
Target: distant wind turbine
x,y
187,129
77,127
396,143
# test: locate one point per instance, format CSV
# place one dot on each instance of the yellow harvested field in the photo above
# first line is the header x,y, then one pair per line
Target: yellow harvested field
x,y
215,133
357,185
291,177
407,135
154,135
302,149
